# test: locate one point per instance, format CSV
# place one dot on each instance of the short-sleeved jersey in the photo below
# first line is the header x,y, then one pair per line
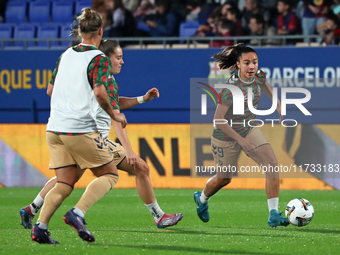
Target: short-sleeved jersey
x,y
112,92
103,120
227,100
98,69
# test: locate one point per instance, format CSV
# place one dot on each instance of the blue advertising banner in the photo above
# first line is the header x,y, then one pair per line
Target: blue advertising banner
x,y
24,76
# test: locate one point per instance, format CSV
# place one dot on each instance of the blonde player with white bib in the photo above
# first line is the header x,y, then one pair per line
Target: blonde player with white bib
x,y
80,80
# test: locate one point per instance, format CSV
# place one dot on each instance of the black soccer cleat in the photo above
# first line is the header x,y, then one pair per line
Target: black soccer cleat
x,y
78,223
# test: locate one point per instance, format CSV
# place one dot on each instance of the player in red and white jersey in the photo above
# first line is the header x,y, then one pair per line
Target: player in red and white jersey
x,y
228,140
72,137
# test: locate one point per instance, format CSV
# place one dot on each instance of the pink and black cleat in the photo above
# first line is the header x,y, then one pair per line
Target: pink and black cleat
x,y
169,220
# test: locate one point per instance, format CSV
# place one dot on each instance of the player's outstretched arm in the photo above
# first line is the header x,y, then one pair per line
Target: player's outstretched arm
x,y
126,102
131,157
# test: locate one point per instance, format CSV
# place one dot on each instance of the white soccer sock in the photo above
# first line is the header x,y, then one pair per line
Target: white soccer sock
x,y
203,198
273,203
78,212
155,210
37,204
42,225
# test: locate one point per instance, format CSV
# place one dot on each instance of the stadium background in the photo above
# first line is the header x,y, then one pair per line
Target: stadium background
x,y
160,130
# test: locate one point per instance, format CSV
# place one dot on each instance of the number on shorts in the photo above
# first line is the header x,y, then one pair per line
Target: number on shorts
x,y
218,150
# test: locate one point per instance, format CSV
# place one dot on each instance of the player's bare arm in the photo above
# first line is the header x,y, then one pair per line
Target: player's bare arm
x,y
131,156
49,89
126,102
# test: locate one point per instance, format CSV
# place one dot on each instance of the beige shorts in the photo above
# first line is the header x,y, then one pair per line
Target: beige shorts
x,y
87,151
118,151
226,153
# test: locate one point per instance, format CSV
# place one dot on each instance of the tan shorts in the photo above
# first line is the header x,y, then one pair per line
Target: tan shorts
x,y
87,151
118,151
226,153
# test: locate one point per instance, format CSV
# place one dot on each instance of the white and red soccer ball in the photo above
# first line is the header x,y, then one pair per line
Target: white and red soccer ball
x,y
299,212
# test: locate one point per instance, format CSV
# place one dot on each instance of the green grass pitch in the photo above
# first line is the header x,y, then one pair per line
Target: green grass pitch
x,y
122,224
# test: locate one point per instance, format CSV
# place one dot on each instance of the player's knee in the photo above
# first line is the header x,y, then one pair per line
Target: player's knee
x,y
272,162
64,189
143,170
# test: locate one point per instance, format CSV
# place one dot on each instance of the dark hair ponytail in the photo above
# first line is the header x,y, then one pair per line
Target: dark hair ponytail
x,y
227,58
108,47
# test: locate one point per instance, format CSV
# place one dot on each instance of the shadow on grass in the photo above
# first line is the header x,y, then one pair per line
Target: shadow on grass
x,y
314,230
184,249
291,228
198,232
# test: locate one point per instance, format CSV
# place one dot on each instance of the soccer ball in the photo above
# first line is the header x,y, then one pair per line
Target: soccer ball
x,y
299,212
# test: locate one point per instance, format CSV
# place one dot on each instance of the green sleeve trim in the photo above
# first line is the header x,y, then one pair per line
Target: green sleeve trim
x,y
55,71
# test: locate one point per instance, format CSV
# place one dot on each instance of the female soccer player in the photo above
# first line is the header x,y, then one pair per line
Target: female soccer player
x,y
73,140
132,163
228,141
124,157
